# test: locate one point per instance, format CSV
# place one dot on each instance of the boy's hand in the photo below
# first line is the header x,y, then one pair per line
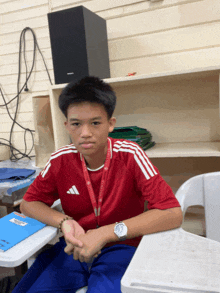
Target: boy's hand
x,y
72,230
93,241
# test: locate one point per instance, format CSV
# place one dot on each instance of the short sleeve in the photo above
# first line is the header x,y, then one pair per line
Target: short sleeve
x,y
153,188
43,188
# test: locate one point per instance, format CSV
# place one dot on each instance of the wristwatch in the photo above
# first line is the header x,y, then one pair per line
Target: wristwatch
x,y
121,231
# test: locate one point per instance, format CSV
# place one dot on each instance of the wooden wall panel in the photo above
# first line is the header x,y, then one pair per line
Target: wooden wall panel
x,y
6,127
18,26
14,37
93,5
18,139
20,15
188,14
171,62
13,68
16,5
172,41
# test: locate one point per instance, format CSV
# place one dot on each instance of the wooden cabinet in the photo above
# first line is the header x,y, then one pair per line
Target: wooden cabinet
x,y
180,109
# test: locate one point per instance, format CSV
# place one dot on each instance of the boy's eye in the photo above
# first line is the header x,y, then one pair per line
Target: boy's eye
x,y
75,124
96,123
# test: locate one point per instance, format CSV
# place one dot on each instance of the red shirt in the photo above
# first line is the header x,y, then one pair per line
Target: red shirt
x,y
132,179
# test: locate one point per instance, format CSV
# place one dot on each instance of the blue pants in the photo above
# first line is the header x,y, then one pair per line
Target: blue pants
x,y
55,271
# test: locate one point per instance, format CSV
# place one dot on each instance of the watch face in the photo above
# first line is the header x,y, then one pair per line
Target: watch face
x,y
119,229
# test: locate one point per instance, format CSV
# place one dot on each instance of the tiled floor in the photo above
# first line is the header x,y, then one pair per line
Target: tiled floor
x,y
194,222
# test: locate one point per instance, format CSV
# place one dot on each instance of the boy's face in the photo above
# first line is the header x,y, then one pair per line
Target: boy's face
x,y
88,126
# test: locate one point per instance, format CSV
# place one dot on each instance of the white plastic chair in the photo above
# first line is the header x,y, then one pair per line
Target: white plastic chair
x,y
203,190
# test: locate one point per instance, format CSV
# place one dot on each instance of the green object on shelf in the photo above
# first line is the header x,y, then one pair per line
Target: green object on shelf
x,y
135,134
141,141
129,131
148,145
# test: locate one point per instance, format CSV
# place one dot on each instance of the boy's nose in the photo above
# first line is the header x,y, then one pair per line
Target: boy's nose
x,y
86,131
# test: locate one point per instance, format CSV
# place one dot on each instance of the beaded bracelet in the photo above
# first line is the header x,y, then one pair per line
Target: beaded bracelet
x,y
61,222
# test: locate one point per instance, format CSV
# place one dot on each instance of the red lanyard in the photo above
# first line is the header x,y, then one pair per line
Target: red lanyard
x,y
97,207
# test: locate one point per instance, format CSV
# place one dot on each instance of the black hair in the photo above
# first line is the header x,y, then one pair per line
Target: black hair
x,y
88,89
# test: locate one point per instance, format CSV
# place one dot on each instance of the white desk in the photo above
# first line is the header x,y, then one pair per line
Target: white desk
x,y
174,261
18,254
22,251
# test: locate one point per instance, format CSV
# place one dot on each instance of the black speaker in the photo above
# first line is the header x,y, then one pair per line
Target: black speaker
x,y
79,44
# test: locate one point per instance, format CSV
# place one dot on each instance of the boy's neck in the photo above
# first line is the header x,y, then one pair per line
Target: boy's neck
x,y
94,164
96,160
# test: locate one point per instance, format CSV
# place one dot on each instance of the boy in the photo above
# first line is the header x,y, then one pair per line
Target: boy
x,y
102,184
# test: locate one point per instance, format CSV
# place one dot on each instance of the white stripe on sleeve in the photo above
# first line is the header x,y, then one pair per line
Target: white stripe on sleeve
x,y
139,156
46,170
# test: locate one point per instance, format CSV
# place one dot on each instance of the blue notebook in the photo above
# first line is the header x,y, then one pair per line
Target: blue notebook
x,y
15,227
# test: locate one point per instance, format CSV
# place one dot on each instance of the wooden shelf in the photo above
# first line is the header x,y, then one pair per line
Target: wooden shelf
x,y
171,150
180,109
156,77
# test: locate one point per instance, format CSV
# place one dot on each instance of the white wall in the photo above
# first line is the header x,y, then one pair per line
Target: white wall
x,y
143,37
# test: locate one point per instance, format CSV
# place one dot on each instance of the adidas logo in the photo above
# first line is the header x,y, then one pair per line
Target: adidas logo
x,y
73,190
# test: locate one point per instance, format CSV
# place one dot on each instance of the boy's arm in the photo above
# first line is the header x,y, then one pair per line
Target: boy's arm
x,y
43,213
149,222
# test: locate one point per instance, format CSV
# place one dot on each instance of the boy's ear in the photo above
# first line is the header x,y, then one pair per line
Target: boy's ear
x,y
66,125
112,122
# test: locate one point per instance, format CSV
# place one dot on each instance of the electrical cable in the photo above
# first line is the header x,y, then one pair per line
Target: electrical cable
x,y
14,156
1,143
31,69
